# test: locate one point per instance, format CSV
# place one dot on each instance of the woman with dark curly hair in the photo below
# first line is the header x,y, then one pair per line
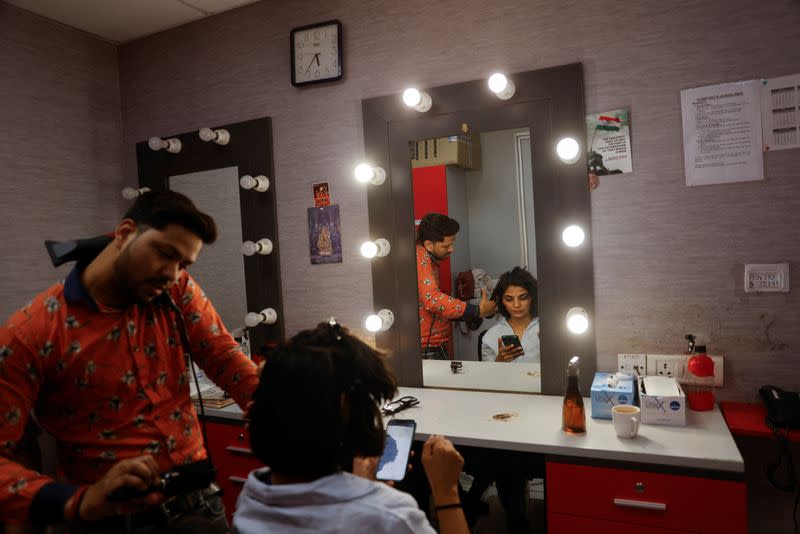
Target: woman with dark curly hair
x,y
515,295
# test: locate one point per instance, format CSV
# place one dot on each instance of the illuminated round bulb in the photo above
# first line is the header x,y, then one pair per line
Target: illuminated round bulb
x,y
249,248
207,134
155,143
373,323
267,316
252,319
369,249
412,97
573,235
129,193
577,320
364,173
568,150
497,82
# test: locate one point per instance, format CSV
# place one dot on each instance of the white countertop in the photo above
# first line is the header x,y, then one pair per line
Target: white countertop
x,y
465,417
487,376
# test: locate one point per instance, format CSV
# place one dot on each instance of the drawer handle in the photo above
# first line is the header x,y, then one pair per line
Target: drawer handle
x,y
646,505
238,450
237,480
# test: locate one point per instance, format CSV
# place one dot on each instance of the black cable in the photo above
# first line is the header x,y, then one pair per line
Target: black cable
x,y
184,335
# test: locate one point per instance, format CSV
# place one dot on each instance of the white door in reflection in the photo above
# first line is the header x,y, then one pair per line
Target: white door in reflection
x,y
219,269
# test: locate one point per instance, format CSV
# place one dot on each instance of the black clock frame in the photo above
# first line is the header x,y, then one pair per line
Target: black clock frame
x,y
340,52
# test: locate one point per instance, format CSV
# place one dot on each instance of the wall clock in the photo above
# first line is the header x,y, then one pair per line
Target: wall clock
x,y
316,53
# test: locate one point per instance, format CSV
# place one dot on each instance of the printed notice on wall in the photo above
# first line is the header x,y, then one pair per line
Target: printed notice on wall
x,y
722,133
608,137
780,108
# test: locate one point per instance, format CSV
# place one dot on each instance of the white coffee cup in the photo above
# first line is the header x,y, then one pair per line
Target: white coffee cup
x,y
626,420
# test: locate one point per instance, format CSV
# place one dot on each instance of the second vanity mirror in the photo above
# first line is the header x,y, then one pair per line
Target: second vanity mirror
x,y
513,208
233,182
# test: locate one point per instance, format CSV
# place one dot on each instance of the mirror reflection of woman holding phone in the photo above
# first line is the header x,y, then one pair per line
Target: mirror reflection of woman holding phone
x,y
515,338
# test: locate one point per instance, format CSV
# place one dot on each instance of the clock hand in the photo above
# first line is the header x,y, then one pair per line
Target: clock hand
x,y
316,56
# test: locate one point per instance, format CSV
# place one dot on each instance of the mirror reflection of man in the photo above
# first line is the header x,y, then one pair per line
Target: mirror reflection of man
x,y
436,239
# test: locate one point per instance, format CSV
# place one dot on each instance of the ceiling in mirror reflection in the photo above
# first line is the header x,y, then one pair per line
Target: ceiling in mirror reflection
x,y
220,271
488,188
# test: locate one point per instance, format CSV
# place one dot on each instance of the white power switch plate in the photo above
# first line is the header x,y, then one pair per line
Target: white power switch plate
x,y
766,278
634,364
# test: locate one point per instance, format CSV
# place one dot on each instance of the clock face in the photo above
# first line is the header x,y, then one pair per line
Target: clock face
x,y
317,53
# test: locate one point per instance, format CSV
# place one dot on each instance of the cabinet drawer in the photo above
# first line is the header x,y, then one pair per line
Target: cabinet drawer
x,y
658,500
230,449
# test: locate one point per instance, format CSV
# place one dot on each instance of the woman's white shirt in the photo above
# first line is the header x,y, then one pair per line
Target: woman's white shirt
x,y
530,341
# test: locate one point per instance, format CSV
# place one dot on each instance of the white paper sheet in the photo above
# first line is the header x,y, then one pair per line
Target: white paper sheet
x,y
722,140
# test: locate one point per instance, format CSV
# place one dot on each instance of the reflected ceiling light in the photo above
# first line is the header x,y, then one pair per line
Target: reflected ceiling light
x,y
366,173
419,100
260,183
263,246
573,235
130,193
266,316
568,150
380,322
380,247
577,320
172,145
501,86
220,137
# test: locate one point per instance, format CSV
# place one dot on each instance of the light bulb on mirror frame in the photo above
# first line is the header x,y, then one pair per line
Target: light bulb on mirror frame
x,y
172,145
568,150
260,183
573,236
220,136
380,248
263,246
379,322
130,193
577,320
501,86
266,316
416,99
367,174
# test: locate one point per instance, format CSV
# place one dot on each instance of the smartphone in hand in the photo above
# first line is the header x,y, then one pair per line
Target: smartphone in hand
x,y
394,460
511,341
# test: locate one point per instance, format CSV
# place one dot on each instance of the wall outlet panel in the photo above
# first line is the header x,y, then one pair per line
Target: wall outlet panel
x,y
676,366
635,364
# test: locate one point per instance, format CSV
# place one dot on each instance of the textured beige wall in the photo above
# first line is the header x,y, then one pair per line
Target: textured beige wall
x,y
668,259
60,139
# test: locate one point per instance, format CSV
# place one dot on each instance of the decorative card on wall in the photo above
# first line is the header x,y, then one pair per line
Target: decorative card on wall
x,y
324,234
322,194
780,112
609,142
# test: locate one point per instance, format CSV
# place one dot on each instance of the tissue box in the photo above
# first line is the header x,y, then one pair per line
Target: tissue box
x,y
604,397
662,401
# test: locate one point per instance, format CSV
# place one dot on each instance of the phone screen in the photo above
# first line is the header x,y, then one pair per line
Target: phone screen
x,y
394,460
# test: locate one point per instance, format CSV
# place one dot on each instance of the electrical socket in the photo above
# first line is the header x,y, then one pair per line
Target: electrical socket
x,y
634,364
676,366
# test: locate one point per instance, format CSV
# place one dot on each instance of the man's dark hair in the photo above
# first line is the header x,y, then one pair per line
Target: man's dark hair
x,y
516,277
435,227
157,209
316,407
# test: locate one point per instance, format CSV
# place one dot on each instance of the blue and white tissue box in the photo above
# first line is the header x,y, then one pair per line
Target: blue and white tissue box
x,y
610,389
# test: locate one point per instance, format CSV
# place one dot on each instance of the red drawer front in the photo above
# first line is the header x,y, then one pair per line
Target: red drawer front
x,y
569,524
229,445
652,499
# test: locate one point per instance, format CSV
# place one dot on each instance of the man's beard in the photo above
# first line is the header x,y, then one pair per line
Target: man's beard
x,y
126,282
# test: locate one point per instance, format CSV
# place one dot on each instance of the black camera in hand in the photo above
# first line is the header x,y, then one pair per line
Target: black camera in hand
x,y
179,480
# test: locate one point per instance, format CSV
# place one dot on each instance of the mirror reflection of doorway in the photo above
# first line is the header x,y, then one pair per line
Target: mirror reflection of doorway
x,y
484,182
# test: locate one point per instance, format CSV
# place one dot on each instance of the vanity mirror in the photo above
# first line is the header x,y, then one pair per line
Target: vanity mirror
x,y
237,279
548,106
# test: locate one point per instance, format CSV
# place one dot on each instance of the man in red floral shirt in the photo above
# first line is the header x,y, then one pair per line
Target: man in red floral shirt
x,y
100,359
436,237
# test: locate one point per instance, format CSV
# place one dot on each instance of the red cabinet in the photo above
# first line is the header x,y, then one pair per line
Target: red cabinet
x,y
648,502
229,446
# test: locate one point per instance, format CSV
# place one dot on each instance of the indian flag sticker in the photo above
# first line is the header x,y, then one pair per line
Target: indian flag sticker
x,y
610,124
